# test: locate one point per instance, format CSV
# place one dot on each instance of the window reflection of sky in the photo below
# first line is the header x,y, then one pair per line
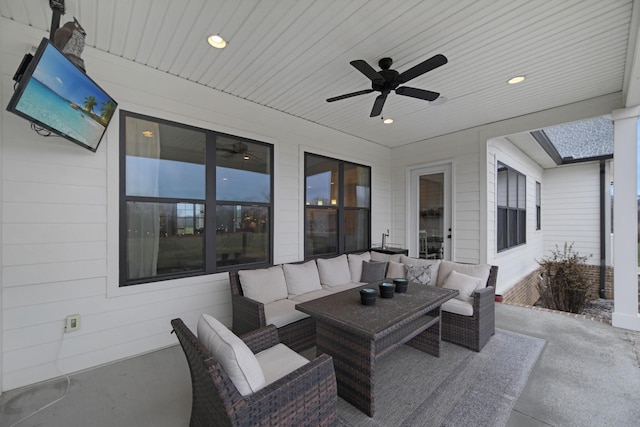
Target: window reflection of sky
x,y
319,187
165,178
242,186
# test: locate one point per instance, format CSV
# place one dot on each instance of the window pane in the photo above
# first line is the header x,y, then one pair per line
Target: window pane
x,y
357,185
522,191
321,180
356,230
164,160
502,229
242,234
522,227
512,188
502,186
164,238
243,171
321,231
512,225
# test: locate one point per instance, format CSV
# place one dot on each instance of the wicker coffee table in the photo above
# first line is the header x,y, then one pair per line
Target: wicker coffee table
x,y
356,336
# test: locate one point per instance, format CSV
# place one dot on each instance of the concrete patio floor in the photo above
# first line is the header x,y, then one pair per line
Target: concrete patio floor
x,y
587,375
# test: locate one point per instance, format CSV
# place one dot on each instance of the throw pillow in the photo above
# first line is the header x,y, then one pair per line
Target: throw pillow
x,y
464,284
373,271
236,358
395,270
334,271
419,273
264,285
355,264
301,278
481,271
434,263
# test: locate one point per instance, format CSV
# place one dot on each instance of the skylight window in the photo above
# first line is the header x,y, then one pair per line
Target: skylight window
x,y
578,141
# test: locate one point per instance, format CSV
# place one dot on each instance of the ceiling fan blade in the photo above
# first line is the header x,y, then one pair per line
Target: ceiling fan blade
x,y
367,70
378,104
349,95
423,67
413,92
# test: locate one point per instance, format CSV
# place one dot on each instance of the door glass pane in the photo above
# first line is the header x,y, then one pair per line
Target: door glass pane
x,y
356,230
243,171
164,238
321,231
357,185
321,180
431,223
242,234
164,160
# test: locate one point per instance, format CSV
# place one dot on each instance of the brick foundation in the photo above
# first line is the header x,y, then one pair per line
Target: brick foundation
x,y
525,292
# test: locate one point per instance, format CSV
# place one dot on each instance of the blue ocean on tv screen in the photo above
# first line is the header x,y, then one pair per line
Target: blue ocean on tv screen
x,y
44,105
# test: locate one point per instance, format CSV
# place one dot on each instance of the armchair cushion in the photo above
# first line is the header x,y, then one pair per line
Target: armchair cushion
x,y
264,285
334,271
235,357
302,278
419,273
278,361
372,271
464,284
355,264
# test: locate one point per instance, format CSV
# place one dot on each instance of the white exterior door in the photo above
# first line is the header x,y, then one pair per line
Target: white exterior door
x,y
429,223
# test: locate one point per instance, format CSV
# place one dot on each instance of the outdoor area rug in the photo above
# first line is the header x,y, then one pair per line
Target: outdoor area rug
x,y
459,388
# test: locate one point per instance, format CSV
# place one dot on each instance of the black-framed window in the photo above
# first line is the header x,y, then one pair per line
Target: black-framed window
x,y
337,206
171,176
511,207
538,206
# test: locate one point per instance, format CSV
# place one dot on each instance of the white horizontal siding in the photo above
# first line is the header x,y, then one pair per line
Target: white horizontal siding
x,y
571,209
59,219
517,262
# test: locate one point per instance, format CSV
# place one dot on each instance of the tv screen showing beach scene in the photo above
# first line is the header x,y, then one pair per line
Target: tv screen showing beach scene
x,y
56,95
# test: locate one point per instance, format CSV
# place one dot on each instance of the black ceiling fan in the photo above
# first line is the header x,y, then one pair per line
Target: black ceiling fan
x,y
386,80
239,150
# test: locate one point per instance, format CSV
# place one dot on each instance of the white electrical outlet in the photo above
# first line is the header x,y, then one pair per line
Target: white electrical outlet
x,y
72,323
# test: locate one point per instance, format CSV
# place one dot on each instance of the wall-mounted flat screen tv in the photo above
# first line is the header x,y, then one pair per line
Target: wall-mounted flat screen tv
x,y
57,96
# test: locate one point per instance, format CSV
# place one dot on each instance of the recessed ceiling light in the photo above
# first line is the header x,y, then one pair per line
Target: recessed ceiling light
x,y
147,133
216,41
516,79
387,121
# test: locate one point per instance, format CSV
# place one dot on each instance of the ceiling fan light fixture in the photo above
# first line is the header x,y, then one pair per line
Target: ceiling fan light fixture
x,y
516,80
216,41
246,157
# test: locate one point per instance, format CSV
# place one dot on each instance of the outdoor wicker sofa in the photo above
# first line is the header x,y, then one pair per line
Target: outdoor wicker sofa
x,y
468,323
306,396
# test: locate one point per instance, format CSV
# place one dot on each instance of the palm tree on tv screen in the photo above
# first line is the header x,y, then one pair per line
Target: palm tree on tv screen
x,y
89,103
106,111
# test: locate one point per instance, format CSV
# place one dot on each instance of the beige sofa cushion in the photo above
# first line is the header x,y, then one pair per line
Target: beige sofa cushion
x,y
456,306
379,256
236,358
264,285
396,270
301,278
481,271
313,295
334,271
355,264
282,313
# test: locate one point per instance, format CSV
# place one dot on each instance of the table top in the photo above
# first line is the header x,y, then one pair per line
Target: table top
x,y
345,310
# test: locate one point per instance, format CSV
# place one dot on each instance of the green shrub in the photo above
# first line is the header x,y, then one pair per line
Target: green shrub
x,y
565,282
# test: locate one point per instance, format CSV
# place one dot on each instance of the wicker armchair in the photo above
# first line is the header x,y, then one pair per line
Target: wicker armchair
x,y
473,331
306,396
248,315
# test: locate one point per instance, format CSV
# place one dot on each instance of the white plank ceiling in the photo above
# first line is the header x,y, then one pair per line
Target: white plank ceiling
x,y
291,55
